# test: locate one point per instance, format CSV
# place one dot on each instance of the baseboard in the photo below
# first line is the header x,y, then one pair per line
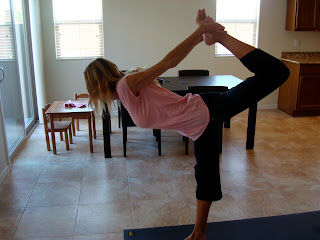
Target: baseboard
x,y
4,174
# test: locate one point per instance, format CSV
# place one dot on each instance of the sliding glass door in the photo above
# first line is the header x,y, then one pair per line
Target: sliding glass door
x,y
24,57
17,91
4,156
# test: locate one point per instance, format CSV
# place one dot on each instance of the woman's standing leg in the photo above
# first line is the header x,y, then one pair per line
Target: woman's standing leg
x,y
206,150
199,231
270,73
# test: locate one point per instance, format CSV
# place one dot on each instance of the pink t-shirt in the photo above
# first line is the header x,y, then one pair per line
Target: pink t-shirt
x,y
159,108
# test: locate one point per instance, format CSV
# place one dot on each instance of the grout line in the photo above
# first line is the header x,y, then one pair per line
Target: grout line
x,y
83,173
261,173
175,182
278,190
24,209
134,223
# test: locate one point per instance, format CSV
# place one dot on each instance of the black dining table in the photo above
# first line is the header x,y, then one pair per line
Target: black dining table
x,y
180,86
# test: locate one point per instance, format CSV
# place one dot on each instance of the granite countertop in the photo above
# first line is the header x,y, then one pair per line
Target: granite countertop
x,y
302,57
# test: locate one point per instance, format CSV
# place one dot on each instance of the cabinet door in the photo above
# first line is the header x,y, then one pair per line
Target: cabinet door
x,y
307,14
318,14
309,93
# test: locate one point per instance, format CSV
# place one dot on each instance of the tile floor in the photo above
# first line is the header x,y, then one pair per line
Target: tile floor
x,y
77,195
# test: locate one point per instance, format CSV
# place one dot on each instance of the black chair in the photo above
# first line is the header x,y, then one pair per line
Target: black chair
x,y
191,72
127,121
197,90
197,72
118,103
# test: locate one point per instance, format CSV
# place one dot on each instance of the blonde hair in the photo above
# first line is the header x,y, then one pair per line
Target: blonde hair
x,y
101,78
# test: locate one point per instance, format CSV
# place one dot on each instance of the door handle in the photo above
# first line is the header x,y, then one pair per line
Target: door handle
x,y
2,74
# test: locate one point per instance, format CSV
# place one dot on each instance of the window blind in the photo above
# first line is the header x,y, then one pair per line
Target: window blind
x,y
78,28
240,19
6,35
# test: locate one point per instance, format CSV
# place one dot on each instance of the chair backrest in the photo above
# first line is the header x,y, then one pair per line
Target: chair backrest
x,y
198,72
81,95
200,89
44,115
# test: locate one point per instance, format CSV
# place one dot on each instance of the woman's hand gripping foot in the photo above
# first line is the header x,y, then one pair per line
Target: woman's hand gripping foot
x,y
209,37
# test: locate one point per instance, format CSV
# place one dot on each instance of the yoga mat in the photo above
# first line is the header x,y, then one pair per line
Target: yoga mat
x,y
300,226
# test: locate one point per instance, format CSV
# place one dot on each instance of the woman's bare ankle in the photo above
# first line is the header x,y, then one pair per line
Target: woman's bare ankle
x,y
197,236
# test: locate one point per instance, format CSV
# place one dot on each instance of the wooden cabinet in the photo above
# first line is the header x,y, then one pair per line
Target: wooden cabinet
x,y
300,94
303,15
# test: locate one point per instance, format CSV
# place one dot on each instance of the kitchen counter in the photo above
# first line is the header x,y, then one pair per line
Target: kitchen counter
x,y
301,57
299,95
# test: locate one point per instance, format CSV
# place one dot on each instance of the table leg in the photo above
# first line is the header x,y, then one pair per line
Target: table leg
x,y
70,133
106,133
52,135
251,129
90,133
73,127
66,139
94,126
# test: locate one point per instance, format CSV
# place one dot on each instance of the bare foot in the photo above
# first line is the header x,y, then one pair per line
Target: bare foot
x,y
201,16
210,38
195,236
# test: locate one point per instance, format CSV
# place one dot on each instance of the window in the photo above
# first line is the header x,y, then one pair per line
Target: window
x,y
6,35
78,28
240,19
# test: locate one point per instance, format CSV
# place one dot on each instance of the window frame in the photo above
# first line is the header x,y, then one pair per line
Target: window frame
x,y
8,23
11,43
57,23
230,21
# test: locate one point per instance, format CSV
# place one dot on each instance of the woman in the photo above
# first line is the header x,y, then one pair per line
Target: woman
x,y
194,116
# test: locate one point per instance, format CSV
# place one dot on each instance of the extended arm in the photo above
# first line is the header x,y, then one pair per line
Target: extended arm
x,y
139,80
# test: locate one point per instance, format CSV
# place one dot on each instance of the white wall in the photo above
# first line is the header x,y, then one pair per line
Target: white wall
x,y
37,51
141,32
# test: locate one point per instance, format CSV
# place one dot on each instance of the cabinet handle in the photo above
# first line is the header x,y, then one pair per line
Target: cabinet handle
x,y
2,76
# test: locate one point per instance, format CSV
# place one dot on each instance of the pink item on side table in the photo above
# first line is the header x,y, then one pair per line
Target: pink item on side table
x,y
69,103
